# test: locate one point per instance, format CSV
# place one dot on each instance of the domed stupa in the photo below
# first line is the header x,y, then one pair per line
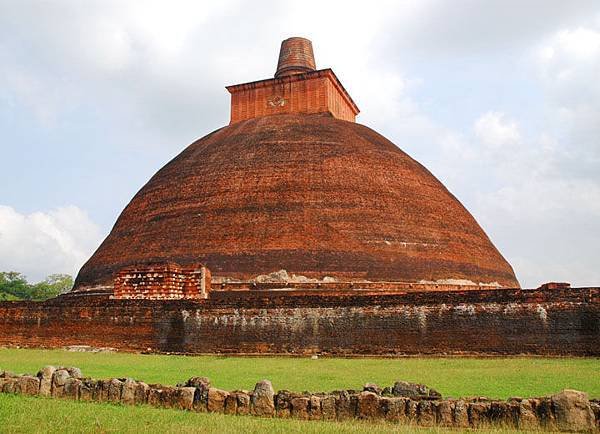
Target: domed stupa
x,y
293,183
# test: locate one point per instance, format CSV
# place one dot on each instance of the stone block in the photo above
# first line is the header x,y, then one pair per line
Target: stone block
x,y
87,390
28,385
414,391
141,393
243,403
263,403
59,378
372,387
75,373
314,410
216,400
503,414
345,405
231,405
573,411
128,391
184,398
71,388
168,397
328,407
282,403
114,390
426,414
368,406
299,407
198,382
9,384
545,414
596,409
460,414
445,413
528,419
393,408
411,410
478,414
45,375
101,391
154,395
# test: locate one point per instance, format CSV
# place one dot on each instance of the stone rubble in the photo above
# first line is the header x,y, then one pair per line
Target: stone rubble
x,y
404,403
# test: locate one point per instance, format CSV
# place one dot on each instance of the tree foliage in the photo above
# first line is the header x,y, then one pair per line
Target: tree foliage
x,y
14,286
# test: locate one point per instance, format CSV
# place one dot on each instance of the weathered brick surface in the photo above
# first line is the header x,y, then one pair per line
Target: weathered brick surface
x,y
561,321
163,281
295,56
311,194
308,93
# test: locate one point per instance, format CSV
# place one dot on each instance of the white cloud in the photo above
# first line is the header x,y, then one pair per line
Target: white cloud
x,y
569,66
43,243
544,217
494,130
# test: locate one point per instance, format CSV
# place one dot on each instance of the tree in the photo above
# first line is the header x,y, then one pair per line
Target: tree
x,y
51,286
14,286
14,283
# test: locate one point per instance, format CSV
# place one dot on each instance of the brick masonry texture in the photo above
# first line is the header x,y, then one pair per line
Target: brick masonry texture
x,y
493,321
311,194
403,403
162,282
295,56
310,92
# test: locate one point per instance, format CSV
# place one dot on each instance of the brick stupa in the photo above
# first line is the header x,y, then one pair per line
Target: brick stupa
x,y
293,183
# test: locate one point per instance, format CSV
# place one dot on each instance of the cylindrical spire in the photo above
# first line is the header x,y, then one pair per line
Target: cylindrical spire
x,y
295,57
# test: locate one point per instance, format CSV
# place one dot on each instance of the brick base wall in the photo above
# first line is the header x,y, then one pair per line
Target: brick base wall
x,y
550,322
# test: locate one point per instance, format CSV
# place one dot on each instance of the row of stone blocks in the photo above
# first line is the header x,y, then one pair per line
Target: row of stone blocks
x,y
404,402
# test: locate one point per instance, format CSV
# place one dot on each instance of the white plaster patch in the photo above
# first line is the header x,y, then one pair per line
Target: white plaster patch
x,y
185,315
465,309
511,308
542,313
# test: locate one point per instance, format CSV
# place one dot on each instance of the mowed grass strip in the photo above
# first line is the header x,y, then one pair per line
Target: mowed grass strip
x,y
454,377
20,414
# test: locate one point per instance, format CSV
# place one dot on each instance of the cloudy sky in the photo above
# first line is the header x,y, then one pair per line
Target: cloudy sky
x,y
499,99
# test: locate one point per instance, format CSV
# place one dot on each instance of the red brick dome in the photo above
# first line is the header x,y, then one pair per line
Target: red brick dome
x,y
308,193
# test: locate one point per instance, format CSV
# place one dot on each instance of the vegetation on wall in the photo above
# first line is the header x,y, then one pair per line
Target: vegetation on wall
x,y
14,286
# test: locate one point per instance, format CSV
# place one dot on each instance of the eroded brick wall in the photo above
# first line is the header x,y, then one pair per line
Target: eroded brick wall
x,y
559,322
162,282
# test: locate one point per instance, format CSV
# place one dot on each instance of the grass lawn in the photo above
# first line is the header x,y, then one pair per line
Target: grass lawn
x,y
20,414
453,377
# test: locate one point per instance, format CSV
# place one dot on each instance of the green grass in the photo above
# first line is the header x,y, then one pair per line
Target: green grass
x,y
19,414
494,377
453,377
